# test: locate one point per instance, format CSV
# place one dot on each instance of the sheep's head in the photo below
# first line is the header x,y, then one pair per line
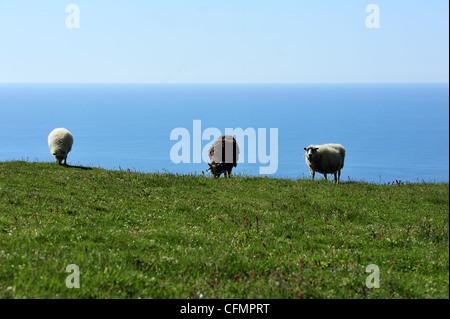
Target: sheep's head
x,y
214,169
311,152
59,157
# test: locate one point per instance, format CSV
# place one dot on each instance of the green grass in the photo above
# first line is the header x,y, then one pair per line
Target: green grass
x,y
136,235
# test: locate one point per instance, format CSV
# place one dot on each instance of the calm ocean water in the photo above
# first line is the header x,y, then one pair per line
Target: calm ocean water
x,y
391,131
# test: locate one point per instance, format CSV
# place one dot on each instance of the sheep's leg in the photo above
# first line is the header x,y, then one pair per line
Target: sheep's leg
x,y
229,173
339,175
335,177
325,176
313,174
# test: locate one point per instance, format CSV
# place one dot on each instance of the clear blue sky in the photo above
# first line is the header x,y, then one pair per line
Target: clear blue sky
x,y
224,41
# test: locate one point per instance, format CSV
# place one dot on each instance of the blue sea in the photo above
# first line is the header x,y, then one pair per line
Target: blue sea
x,y
390,131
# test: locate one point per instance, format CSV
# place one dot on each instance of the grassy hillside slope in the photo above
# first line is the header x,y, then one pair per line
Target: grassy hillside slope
x,y
136,235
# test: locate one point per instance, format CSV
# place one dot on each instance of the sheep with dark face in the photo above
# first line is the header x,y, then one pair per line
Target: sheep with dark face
x,y
60,143
325,159
224,155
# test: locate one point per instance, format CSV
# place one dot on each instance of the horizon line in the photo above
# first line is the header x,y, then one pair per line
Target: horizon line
x,y
232,83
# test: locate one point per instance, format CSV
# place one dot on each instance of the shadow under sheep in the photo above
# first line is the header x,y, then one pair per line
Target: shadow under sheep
x,y
75,166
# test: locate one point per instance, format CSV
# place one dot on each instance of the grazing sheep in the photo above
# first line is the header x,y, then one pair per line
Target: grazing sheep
x,y
60,143
222,162
325,159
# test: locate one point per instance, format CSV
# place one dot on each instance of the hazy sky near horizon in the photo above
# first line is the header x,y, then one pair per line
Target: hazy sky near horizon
x,y
233,41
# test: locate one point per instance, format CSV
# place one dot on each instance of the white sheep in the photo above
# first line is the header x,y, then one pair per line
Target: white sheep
x,y
60,143
224,155
325,159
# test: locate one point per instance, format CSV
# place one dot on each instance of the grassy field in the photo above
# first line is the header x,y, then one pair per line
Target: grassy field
x,y
136,235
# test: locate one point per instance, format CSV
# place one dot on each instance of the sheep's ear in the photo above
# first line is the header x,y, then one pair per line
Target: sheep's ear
x,y
304,148
316,148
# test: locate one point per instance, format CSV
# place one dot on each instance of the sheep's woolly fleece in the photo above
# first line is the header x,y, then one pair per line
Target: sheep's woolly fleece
x,y
60,142
217,152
